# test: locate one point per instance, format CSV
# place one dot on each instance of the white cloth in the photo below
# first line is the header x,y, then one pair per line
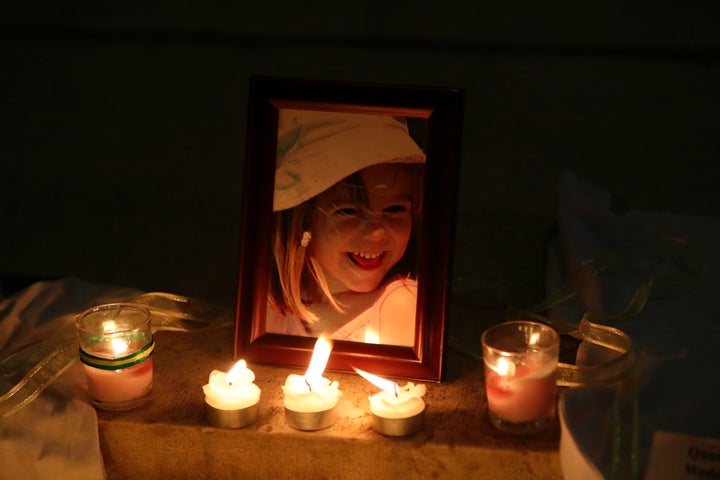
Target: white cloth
x,y
55,436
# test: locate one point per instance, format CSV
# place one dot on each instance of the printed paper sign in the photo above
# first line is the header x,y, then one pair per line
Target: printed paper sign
x,y
677,456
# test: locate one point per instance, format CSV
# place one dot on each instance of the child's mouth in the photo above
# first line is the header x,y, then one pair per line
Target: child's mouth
x,y
366,260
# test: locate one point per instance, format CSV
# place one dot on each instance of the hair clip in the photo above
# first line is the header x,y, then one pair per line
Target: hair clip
x,y
307,236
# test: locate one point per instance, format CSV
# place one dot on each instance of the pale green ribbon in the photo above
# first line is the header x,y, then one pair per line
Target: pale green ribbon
x,y
47,360
595,328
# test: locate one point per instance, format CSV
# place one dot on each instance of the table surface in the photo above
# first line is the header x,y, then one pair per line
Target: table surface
x,y
170,435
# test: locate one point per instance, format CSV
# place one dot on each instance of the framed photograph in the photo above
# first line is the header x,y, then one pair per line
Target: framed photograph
x,y
347,224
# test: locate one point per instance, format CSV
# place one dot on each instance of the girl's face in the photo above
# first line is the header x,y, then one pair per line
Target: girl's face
x,y
357,244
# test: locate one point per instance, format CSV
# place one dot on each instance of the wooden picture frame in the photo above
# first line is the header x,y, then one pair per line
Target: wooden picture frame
x,y
442,109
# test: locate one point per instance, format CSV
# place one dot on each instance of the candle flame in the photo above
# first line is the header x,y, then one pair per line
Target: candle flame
x,y
235,372
505,367
119,346
320,356
387,385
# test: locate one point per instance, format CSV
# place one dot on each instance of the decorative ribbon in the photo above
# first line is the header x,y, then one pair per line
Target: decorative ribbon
x,y
118,363
592,331
40,376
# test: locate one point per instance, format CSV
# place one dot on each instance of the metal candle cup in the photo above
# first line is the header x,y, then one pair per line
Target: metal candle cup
x,y
116,346
521,360
398,427
310,421
238,418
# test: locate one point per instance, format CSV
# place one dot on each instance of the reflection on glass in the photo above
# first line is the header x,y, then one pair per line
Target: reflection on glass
x,y
347,205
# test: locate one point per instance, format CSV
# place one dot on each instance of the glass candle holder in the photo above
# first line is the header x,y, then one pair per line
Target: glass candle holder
x,y
116,346
521,359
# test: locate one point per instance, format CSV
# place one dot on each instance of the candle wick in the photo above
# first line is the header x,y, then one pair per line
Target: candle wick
x,y
308,384
395,387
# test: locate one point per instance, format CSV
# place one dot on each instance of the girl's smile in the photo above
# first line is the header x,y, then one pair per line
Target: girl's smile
x,y
366,261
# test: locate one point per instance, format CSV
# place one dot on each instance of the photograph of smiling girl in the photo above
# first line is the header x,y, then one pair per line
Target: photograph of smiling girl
x,y
346,210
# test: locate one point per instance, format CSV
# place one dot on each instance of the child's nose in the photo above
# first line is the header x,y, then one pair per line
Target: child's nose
x,y
374,231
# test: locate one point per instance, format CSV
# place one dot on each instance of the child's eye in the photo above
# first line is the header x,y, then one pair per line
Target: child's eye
x,y
346,212
395,209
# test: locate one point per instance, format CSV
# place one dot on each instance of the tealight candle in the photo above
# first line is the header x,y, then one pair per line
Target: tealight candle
x,y
310,399
116,346
521,360
231,399
397,411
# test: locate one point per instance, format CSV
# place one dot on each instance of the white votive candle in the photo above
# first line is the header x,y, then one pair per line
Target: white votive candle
x,y
310,399
232,390
231,399
397,411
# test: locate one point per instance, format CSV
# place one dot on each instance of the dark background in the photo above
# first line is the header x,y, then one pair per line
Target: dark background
x,y
123,123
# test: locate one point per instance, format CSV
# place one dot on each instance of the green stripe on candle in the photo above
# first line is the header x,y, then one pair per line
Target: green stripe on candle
x,y
118,363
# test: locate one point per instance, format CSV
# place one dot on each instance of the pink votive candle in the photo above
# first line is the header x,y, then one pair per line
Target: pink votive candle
x,y
520,364
116,346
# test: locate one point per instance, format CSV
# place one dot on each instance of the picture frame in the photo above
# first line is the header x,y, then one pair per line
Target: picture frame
x,y
440,109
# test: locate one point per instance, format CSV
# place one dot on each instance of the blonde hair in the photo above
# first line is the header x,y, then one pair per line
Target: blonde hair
x,y
296,278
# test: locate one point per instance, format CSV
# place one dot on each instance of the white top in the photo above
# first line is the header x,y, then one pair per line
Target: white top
x,y
385,316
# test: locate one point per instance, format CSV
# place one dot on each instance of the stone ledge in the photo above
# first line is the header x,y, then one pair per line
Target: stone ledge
x,y
170,438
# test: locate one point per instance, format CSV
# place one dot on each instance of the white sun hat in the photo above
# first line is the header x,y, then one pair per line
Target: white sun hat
x,y
317,149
